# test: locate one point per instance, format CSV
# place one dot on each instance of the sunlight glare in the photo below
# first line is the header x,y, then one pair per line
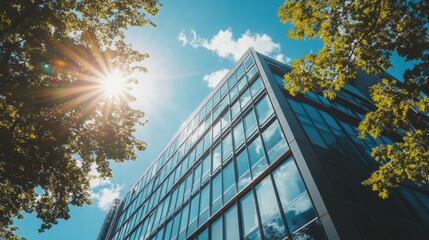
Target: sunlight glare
x,y
114,84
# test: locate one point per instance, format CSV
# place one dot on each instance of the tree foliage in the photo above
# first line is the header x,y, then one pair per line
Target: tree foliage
x,y
55,120
363,34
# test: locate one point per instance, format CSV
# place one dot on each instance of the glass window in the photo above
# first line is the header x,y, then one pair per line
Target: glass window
x,y
216,98
249,223
207,141
257,157
231,224
249,62
204,205
209,106
233,94
197,176
245,99
250,125
216,158
299,213
252,72
263,110
223,89
180,194
224,104
274,141
312,231
208,121
272,225
188,187
228,182
205,168
175,228
226,147
225,120
256,87
184,222
288,181
231,81
243,170
216,130
235,110
238,135
204,235
173,202
216,113
241,83
193,214
216,193
216,229
168,229
239,72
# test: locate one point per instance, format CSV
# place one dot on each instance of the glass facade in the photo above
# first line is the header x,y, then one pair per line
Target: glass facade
x,y
230,173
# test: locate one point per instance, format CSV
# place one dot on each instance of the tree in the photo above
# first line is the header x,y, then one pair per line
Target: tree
x,y
364,34
56,121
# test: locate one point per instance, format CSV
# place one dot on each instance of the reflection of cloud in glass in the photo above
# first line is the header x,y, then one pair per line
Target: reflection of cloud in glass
x,y
216,160
258,146
266,199
288,181
300,206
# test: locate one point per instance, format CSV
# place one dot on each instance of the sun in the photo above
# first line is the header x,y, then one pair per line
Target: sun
x,y
114,84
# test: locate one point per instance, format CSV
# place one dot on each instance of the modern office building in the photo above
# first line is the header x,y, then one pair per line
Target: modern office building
x,y
252,162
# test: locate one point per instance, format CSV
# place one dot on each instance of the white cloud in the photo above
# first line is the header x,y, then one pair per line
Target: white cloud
x,y
282,58
214,78
225,46
182,38
96,181
102,190
105,196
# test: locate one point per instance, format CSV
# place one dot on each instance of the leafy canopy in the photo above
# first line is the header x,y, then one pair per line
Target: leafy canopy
x,y
55,119
363,34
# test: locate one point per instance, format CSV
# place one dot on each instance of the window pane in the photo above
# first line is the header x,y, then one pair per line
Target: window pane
x,y
197,176
226,147
249,62
175,228
249,224
233,94
256,87
216,113
231,224
272,224
188,187
238,135
250,125
184,222
216,193
311,231
299,213
257,157
216,229
204,235
193,214
239,72
223,89
241,83
204,205
216,98
231,81
252,72
207,141
274,142
245,99
228,182
216,130
205,169
216,158
263,110
243,170
235,110
288,181
225,120
168,229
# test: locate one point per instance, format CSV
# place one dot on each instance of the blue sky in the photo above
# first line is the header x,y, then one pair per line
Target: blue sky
x,y
192,47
